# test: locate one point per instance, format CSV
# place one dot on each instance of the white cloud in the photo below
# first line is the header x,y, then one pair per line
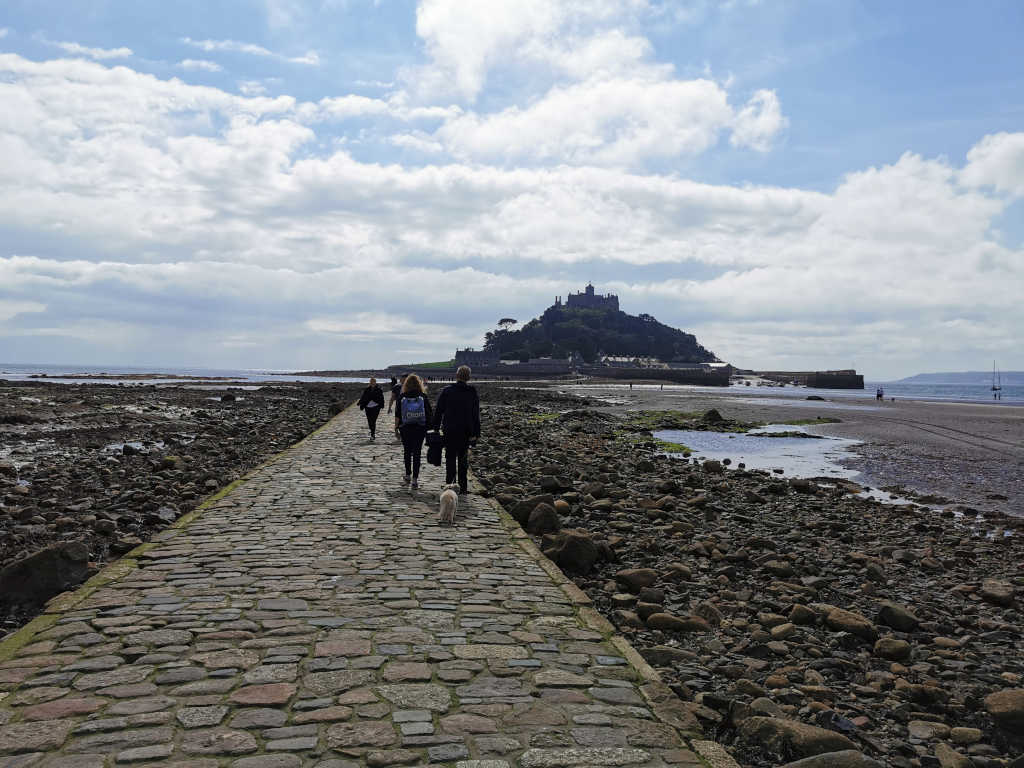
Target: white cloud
x,y
251,88
616,122
200,64
416,143
350,106
383,326
759,122
465,41
603,98
76,49
4,31
311,58
997,161
11,309
225,215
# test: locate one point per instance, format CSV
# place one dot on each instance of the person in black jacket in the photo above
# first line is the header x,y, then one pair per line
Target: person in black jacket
x,y
371,403
458,417
413,418
396,392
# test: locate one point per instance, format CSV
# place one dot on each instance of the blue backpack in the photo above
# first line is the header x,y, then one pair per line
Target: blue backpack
x,y
414,411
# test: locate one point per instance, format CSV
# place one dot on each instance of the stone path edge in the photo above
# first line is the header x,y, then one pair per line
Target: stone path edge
x,y
710,752
127,563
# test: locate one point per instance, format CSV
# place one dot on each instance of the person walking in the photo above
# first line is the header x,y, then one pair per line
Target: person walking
x,y
458,417
412,418
370,403
396,391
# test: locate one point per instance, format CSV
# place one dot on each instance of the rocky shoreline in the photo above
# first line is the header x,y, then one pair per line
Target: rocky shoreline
x,y
90,471
796,619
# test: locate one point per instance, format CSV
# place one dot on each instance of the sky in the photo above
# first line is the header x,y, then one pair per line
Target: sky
x,y
292,184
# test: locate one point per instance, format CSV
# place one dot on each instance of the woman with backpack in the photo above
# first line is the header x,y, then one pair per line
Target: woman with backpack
x,y
370,403
412,418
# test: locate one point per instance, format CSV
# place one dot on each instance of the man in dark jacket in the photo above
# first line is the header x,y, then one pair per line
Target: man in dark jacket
x,y
457,415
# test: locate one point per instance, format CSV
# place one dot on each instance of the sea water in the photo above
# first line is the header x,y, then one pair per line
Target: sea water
x,y
64,374
786,456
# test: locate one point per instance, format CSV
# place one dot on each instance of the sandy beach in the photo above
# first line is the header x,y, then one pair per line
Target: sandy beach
x,y
971,454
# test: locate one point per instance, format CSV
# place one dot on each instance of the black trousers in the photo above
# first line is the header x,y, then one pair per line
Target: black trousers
x,y
456,460
371,419
412,442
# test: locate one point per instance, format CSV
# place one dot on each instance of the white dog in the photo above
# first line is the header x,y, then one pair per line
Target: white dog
x,y
449,505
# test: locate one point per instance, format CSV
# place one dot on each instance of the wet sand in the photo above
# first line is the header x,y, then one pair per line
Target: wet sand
x,y
970,454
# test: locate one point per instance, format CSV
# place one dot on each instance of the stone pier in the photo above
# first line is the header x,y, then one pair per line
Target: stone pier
x,y
316,614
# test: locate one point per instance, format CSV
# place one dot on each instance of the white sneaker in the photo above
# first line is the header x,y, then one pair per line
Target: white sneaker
x,y
407,479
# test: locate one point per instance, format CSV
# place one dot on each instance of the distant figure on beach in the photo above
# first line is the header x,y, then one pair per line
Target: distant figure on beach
x,y
458,418
412,417
879,394
370,403
396,391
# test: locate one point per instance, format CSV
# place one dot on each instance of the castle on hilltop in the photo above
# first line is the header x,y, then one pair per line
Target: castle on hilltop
x,y
589,300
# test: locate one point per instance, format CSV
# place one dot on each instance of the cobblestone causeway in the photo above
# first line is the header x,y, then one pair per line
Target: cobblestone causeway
x,y
317,615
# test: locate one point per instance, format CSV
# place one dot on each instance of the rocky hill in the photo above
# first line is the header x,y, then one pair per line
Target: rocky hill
x,y
562,330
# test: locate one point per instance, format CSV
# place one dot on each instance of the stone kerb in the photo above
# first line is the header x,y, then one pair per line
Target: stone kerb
x,y
315,614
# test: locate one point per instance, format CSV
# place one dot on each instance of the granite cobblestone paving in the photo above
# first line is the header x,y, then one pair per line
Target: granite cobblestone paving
x,y
318,615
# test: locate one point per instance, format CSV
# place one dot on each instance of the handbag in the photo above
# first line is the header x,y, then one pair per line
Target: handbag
x,y
434,443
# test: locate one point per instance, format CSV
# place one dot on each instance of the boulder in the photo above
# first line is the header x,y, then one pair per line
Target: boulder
x,y
712,416
997,592
33,580
543,519
950,758
651,595
801,614
927,730
1007,709
573,551
898,617
670,623
847,758
521,511
964,735
892,648
635,579
553,483
792,738
850,621
931,696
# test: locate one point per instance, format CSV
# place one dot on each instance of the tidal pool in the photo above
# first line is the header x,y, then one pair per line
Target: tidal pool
x,y
787,456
